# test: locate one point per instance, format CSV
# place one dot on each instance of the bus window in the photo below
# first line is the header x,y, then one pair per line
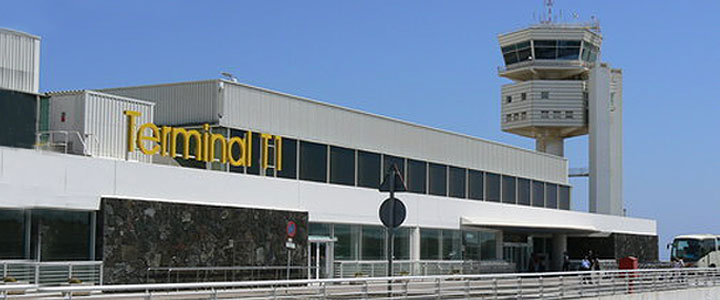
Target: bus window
x,y
708,246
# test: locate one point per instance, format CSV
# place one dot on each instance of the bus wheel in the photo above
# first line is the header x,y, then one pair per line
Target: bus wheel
x,y
712,265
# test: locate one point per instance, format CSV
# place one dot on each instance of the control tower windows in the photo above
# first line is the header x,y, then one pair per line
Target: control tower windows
x,y
523,96
544,114
517,53
553,49
508,99
590,52
544,95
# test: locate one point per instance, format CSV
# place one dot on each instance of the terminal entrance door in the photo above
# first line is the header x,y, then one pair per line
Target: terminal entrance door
x,y
320,257
517,253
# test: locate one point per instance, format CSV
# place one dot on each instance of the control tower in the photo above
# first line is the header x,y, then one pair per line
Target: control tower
x,y
560,89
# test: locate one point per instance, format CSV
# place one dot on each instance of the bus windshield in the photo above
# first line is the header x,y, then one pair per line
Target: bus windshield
x,y
692,249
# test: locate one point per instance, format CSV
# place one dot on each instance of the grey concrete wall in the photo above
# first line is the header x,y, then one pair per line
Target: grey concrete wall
x,y
134,235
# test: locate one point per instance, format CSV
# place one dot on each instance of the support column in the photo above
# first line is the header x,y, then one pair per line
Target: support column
x,y
549,142
559,246
415,250
605,126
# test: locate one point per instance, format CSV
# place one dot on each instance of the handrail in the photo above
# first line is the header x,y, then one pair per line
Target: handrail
x,y
563,284
64,139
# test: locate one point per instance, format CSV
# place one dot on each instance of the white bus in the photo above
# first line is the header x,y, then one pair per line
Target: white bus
x,y
697,250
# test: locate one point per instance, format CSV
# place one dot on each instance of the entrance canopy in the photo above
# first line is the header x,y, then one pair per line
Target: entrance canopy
x,y
519,225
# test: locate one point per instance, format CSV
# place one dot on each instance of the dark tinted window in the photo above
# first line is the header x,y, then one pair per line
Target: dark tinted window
x,y
12,234
373,243
429,243
389,160
476,185
235,151
255,160
368,169
342,166
551,195
416,177
65,234
493,187
508,189
289,159
313,161
523,191
437,180
564,197
457,182
538,193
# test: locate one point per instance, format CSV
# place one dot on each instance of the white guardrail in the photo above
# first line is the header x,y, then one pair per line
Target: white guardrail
x,y
49,273
558,285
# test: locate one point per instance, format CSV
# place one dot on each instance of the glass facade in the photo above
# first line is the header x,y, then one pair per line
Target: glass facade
x,y
429,244
318,162
493,187
437,179
550,50
289,159
523,191
451,245
12,235
342,166
551,195
457,182
538,193
313,161
63,235
417,176
476,185
373,243
508,189
368,169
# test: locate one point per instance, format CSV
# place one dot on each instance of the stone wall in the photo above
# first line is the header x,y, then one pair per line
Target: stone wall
x,y
617,245
134,235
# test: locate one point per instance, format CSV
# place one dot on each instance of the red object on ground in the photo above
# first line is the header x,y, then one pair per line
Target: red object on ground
x,y
628,263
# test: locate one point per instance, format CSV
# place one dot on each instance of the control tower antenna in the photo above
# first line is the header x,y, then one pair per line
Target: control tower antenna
x,y
549,6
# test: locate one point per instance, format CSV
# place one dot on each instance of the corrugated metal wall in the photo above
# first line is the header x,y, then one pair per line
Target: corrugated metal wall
x,y
182,103
99,118
19,61
285,115
563,96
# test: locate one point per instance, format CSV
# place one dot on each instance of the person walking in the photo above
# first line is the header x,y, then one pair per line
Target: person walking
x,y
566,262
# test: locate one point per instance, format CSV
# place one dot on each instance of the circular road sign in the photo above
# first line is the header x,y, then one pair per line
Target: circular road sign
x,y
291,229
399,212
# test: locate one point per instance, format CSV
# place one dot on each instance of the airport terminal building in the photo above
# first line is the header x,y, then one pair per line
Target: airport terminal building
x,y
210,173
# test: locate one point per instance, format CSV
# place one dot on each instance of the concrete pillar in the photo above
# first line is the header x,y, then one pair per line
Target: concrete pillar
x,y
559,246
551,143
415,249
605,126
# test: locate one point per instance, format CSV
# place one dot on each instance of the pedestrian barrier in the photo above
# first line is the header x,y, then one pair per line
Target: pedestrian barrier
x,y
556,285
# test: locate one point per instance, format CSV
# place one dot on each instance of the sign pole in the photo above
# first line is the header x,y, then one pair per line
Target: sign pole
x,y
391,229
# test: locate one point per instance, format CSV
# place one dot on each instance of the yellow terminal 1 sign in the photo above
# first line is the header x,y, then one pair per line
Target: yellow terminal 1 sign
x,y
165,143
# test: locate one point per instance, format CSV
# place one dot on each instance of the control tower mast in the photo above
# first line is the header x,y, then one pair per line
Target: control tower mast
x,y
560,89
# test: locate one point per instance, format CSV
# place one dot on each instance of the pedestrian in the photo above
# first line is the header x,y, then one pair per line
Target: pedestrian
x,y
584,267
566,262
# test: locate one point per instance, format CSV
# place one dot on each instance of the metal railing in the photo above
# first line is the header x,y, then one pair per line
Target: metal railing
x,y
557,285
349,269
61,140
233,273
52,273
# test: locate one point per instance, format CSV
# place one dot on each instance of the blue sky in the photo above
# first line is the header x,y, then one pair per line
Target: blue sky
x,y
430,62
